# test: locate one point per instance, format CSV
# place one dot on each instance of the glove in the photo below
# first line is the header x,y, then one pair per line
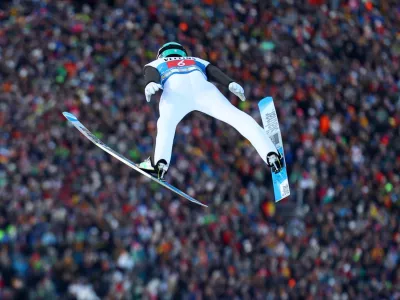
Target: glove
x,y
237,90
151,89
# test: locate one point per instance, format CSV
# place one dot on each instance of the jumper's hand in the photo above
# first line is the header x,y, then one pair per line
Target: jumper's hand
x,y
151,89
237,90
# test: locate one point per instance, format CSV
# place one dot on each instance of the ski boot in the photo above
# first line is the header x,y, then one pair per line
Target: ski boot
x,y
275,161
158,170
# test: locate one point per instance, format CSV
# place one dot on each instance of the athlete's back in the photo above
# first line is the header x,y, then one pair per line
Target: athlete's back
x,y
169,66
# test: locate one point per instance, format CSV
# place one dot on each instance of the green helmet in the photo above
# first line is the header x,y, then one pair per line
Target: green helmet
x,y
171,49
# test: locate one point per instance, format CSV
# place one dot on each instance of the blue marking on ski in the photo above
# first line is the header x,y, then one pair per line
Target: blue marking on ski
x,y
70,116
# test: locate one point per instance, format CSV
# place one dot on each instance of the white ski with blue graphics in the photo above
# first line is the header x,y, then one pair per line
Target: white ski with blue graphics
x,y
78,125
271,125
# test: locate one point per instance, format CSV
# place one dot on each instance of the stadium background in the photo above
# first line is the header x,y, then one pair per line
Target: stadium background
x,y
74,222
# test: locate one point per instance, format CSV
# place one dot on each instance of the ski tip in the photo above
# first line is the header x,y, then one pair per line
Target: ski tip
x,y
69,116
265,101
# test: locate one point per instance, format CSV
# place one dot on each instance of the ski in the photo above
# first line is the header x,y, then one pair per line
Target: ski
x,y
271,125
90,136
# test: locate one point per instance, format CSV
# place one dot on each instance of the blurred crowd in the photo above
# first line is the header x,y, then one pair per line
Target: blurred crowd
x,y
77,224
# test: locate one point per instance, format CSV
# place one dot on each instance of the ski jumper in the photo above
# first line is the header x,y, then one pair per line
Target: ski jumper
x,y
185,89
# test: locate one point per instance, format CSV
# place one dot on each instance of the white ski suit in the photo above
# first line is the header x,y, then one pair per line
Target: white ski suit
x,y
186,89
